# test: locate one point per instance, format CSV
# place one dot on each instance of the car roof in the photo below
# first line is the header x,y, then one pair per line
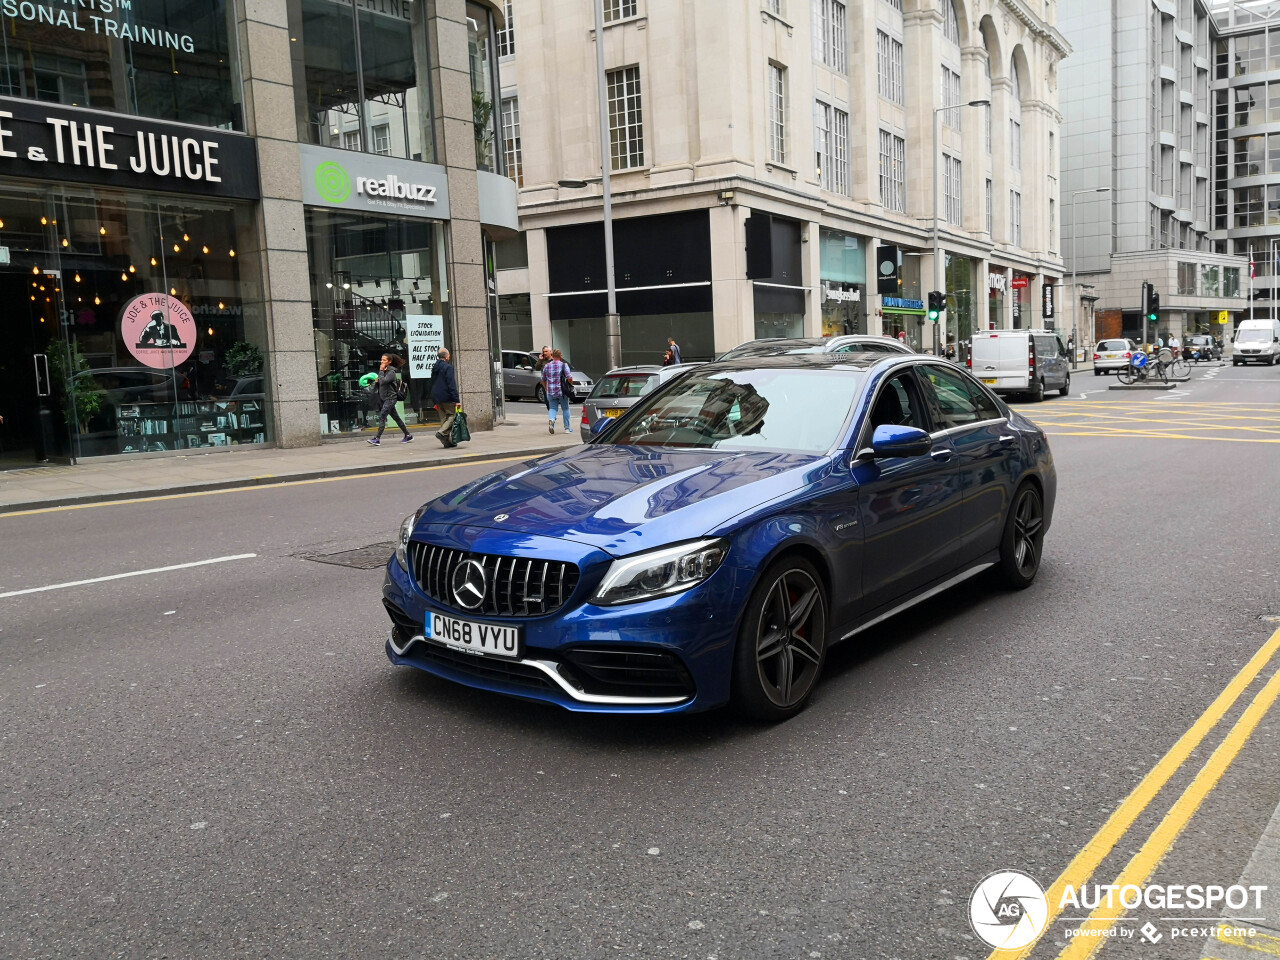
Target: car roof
x,y
854,362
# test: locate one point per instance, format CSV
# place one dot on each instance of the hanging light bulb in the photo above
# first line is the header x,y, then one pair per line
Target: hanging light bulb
x,y
79,299
36,270
176,248
102,230
204,249
211,331
124,277
233,253
132,268
1,224
97,300
33,298
42,288
34,284
77,278
153,261
173,291
44,221
66,242
221,305
186,238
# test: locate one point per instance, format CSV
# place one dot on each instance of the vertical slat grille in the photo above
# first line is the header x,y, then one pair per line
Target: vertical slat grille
x,y
514,586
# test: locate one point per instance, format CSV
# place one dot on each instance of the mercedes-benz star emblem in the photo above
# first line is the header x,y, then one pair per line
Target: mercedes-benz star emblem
x,y
468,583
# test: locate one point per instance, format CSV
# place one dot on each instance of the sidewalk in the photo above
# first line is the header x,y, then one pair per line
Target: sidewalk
x,y
523,435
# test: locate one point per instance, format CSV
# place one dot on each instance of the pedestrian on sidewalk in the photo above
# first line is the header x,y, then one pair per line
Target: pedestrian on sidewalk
x,y
675,350
555,377
444,392
389,389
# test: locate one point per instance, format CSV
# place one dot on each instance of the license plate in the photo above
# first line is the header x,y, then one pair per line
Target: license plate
x,y
989,380
614,412
469,636
1111,356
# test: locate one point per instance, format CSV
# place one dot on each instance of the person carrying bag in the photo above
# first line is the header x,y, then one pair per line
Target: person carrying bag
x,y
444,393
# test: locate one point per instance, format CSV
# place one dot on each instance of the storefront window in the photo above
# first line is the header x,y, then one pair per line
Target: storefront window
x,y
153,335
360,76
1021,295
844,279
1231,281
961,274
375,282
483,85
997,284
167,59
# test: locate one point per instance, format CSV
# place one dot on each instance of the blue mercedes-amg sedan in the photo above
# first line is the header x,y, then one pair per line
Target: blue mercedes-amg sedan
x,y
710,545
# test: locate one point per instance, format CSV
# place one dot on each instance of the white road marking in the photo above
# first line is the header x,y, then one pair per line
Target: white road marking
x,y
121,576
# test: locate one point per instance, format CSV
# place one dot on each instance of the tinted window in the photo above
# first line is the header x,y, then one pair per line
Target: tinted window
x,y
898,404
952,398
624,385
1114,345
1045,346
795,410
866,348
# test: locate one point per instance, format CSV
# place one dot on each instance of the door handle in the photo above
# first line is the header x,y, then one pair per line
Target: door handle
x,y
43,385
941,455
1007,441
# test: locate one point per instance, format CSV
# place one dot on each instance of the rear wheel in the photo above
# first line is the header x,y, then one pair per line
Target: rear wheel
x,y
1181,368
539,394
1127,374
783,642
1037,390
1023,539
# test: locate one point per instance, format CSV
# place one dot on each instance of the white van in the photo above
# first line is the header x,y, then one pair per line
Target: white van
x,y
1020,361
1256,340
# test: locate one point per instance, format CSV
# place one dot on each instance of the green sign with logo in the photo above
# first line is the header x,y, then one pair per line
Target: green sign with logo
x,y
368,181
332,182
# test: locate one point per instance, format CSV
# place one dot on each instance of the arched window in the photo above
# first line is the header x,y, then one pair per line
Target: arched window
x,y
1015,118
950,22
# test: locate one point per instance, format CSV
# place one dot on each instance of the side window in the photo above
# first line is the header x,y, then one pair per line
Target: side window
x,y
982,402
951,397
508,360
1062,348
898,404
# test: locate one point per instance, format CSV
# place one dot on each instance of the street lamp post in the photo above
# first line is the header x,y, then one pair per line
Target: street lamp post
x,y
1075,289
939,267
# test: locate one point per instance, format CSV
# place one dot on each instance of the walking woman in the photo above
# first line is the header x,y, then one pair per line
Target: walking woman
x,y
554,376
386,389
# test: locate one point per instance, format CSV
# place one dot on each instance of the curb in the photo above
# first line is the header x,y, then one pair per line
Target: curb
x,y
273,480
1144,386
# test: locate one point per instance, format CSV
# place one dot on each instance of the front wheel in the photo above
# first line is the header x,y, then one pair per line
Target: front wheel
x,y
783,642
1066,387
1181,368
540,395
1022,543
1127,375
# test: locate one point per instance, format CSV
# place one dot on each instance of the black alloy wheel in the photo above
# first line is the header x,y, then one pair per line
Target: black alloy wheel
x,y
1022,544
783,642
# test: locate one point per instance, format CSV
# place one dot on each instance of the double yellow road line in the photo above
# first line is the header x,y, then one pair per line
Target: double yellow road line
x,y
1144,862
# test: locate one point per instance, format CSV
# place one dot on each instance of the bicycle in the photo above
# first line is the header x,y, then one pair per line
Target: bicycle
x,y
1142,368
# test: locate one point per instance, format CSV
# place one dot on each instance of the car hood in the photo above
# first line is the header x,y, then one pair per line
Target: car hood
x,y
624,499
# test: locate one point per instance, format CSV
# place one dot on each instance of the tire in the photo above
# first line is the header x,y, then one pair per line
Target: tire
x,y
1180,368
1235,363
1126,375
775,669
540,394
1066,387
1022,543
1037,395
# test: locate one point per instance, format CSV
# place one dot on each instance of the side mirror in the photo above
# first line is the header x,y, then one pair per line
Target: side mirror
x,y
897,441
601,425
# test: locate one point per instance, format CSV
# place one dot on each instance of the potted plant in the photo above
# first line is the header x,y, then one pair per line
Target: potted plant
x,y
64,364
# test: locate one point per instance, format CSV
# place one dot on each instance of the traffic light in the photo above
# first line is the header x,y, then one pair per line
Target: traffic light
x,y
1153,306
937,303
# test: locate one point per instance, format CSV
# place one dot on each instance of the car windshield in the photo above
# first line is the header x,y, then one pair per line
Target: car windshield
x,y
1254,336
773,348
799,410
624,385
866,348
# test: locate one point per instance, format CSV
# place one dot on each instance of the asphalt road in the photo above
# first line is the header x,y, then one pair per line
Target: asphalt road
x,y
218,761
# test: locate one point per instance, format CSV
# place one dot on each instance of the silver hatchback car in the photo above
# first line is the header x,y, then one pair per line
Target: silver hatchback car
x,y
621,387
846,343
522,377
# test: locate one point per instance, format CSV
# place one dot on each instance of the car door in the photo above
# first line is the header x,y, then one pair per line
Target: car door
x,y
908,507
985,451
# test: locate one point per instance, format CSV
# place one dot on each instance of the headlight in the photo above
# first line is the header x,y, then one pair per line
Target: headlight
x,y
402,541
660,573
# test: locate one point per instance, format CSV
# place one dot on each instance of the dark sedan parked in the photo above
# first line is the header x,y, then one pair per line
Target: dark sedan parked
x,y
711,544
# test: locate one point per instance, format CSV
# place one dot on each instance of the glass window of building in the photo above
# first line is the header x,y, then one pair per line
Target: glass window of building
x,y
152,327
360,76
371,277
507,35
777,113
1186,279
1231,281
626,118
889,67
481,44
893,172
166,59
511,139
622,9
1209,281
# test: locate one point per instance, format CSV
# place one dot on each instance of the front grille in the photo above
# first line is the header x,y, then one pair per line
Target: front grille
x,y
635,673
514,586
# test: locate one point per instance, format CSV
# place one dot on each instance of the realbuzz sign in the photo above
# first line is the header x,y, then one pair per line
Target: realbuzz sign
x,y
393,186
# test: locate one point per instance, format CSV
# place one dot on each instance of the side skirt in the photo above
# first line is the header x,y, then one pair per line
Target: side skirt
x,y
920,597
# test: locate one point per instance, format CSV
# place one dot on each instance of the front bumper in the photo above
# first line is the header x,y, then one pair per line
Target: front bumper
x,y
670,655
